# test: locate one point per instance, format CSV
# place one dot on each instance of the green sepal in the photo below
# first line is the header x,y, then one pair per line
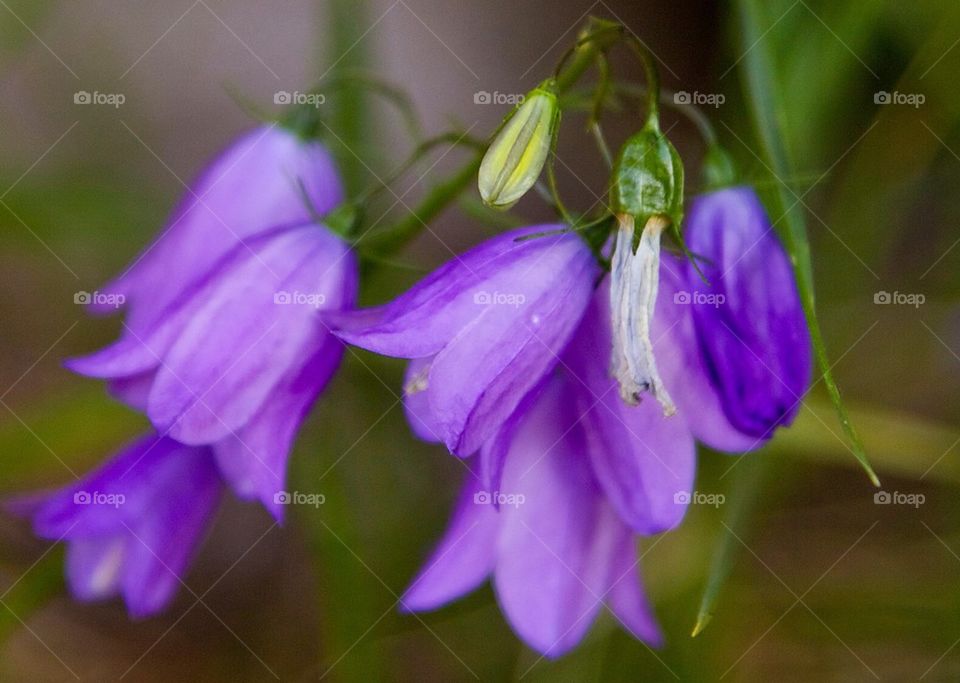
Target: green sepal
x,y
648,178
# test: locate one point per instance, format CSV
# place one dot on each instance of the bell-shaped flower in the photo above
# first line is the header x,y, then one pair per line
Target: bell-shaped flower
x,y
750,318
239,357
739,358
223,344
266,178
132,526
484,329
554,548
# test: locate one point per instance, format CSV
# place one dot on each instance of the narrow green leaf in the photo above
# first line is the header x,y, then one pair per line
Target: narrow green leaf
x,y
763,98
743,497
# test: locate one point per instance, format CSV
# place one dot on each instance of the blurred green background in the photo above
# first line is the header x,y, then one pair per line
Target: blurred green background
x,y
823,583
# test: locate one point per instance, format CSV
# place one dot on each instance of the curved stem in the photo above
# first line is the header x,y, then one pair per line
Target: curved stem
x,y
653,80
600,95
348,78
436,200
667,99
599,36
451,138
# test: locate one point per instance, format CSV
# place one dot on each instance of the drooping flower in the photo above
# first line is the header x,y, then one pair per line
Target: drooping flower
x,y
268,177
555,496
133,525
748,323
736,356
484,329
553,547
223,344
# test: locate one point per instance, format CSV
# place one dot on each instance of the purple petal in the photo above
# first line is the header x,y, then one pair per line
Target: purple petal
x,y
133,524
133,390
493,454
625,596
70,512
480,377
755,343
422,321
416,400
464,557
254,461
241,341
268,177
165,540
677,349
552,566
641,458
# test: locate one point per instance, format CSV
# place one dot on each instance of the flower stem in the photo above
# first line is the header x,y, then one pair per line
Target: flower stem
x,y
392,240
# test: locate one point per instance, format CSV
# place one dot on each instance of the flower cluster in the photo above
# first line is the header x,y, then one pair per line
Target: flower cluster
x,y
526,391
532,357
223,367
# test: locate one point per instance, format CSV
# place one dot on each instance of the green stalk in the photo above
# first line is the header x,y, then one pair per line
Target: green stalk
x,y
349,606
763,97
348,19
393,239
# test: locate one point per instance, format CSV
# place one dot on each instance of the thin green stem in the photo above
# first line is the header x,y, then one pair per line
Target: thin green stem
x,y
436,200
652,75
449,138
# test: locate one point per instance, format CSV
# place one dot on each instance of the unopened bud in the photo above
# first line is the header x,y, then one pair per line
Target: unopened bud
x,y
517,154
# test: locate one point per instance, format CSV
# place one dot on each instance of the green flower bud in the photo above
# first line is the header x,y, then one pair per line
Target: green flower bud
x,y
718,168
519,150
648,178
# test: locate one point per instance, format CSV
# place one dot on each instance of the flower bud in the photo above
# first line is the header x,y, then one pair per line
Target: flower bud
x,y
519,150
718,168
648,178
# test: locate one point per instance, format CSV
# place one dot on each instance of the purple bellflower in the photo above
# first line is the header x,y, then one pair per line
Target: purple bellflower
x,y
133,525
749,324
268,177
224,345
550,510
483,330
555,550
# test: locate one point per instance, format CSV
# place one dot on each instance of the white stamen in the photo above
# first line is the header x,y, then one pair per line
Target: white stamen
x,y
634,278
